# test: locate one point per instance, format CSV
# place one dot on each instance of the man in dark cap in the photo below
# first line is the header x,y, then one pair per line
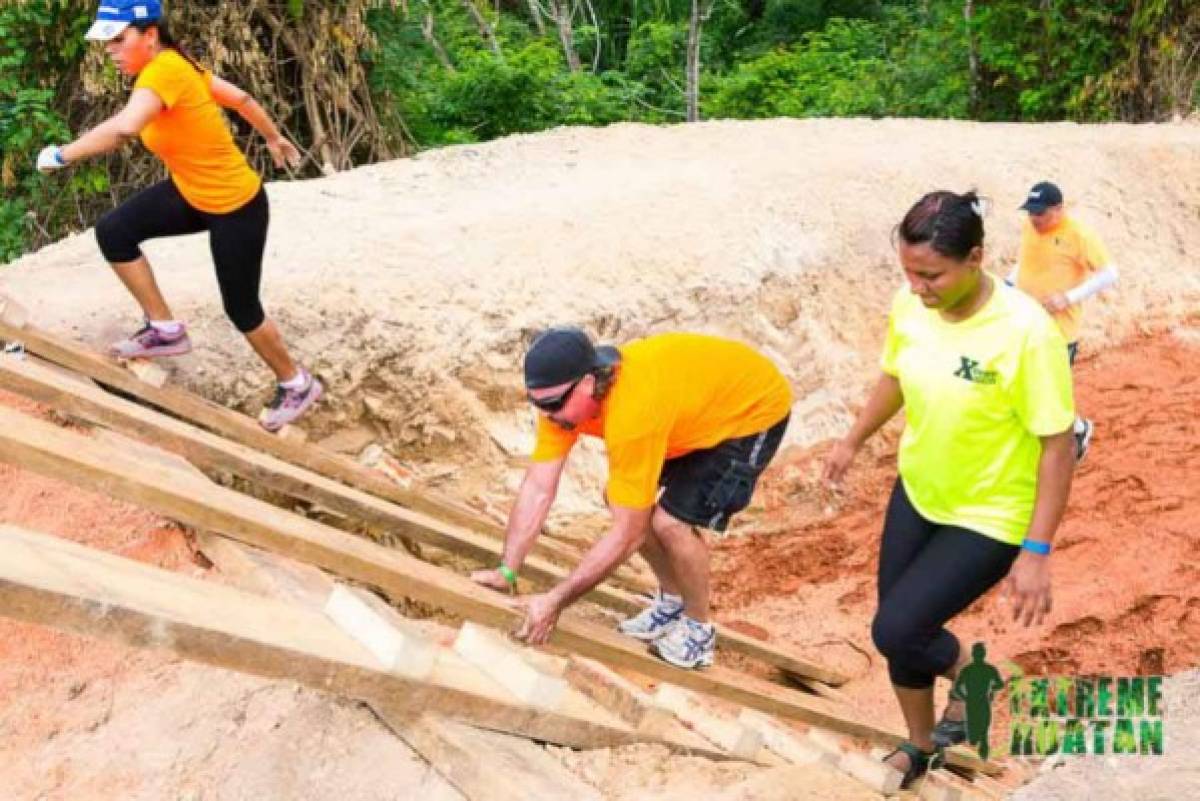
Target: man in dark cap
x,y
689,422
1062,263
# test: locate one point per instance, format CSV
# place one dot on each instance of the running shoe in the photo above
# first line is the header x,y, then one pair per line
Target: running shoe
x,y
149,342
289,405
687,644
1083,438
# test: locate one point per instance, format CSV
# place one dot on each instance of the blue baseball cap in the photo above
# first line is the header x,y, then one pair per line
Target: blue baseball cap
x,y
115,16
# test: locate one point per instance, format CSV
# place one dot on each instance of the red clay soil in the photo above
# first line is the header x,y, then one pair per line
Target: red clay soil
x,y
52,663
1125,564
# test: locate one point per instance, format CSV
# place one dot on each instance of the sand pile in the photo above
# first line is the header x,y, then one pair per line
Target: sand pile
x,y
412,286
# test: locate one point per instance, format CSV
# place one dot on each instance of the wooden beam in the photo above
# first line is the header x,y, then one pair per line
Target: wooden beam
x,y
228,423
213,453
486,766
786,741
502,660
396,649
42,447
879,776
246,431
730,734
54,582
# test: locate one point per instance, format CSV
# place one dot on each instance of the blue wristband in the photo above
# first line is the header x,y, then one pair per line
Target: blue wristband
x,y
1040,548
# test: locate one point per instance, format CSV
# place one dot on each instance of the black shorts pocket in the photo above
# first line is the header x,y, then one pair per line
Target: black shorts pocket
x,y
733,489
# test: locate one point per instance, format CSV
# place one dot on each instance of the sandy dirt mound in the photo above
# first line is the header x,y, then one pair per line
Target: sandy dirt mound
x,y
412,286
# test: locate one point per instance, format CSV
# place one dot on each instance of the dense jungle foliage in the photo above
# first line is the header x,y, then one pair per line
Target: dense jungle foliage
x,y
356,81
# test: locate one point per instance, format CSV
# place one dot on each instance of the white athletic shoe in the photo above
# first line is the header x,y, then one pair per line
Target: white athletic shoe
x,y
689,644
653,621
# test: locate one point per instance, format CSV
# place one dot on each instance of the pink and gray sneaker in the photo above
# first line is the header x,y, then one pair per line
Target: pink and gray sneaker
x,y
150,342
289,405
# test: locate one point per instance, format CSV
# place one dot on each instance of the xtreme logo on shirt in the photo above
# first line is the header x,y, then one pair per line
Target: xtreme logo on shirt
x,y
969,369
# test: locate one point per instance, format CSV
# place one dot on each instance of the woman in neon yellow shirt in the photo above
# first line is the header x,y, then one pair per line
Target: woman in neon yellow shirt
x,y
985,460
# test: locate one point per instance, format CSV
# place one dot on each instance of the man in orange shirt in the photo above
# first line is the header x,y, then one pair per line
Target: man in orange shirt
x,y
1062,263
689,422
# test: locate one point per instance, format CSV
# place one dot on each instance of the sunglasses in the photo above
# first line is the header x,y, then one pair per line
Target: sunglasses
x,y
555,402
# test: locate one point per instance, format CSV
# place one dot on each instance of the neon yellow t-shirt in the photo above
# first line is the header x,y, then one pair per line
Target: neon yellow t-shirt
x,y
977,395
675,393
1060,259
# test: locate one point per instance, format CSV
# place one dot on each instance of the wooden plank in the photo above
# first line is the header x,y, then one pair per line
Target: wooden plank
x,y
613,691
879,776
211,452
786,741
54,582
396,648
263,573
489,651
45,448
280,577
147,372
486,766
245,430
729,734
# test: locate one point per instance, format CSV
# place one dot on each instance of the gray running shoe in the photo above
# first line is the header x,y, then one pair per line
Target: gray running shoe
x,y
689,644
149,343
653,621
289,405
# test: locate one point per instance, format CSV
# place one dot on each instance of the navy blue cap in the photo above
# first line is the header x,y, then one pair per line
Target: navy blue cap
x,y
1042,196
564,354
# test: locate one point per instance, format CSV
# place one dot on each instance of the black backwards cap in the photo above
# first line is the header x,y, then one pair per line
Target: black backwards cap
x,y
563,354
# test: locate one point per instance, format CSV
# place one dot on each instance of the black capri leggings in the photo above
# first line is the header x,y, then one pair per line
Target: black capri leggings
x,y
928,573
237,241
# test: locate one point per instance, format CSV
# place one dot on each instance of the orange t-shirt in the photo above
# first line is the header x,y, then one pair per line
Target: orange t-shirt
x,y
673,394
192,139
1056,261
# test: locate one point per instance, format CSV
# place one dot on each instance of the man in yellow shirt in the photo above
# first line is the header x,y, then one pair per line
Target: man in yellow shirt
x,y
1062,263
689,422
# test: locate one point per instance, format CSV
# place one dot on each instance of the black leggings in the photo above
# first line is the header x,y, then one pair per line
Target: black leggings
x,y
237,241
928,573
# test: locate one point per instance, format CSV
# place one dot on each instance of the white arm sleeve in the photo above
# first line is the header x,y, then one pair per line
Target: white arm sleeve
x,y
1099,281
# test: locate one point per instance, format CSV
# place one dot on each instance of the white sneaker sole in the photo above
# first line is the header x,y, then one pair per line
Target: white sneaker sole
x,y
645,636
702,662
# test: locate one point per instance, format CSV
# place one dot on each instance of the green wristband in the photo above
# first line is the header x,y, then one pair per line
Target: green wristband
x,y
508,574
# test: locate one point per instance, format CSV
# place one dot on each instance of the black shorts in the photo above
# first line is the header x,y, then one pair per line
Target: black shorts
x,y
707,487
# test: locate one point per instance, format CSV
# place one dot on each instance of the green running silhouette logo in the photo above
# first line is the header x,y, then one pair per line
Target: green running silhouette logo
x,y
1067,715
977,685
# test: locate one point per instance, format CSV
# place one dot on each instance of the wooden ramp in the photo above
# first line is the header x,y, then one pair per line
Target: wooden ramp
x,y
210,452
47,580
241,429
202,435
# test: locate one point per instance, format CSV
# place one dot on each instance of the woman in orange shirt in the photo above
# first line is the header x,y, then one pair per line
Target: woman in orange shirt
x,y
175,108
